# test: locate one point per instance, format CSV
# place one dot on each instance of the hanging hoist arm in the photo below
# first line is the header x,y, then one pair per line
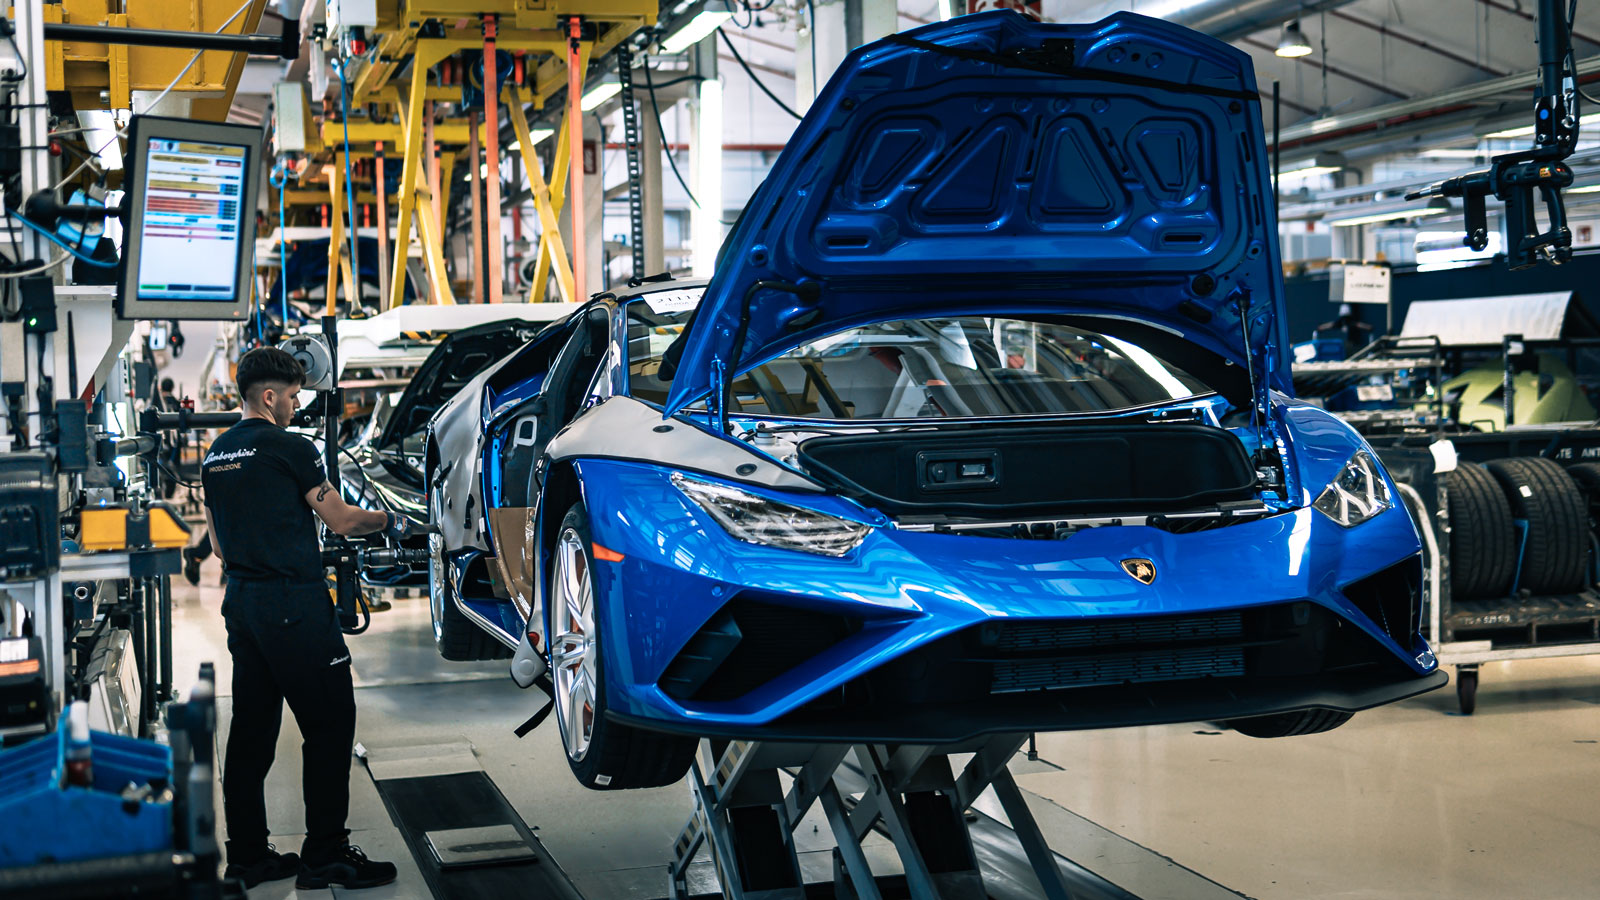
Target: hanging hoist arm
x,y
1514,177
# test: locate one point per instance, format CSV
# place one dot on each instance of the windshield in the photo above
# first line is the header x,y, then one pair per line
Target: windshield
x,y
938,367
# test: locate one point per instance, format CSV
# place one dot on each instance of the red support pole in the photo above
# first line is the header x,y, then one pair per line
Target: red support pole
x,y
383,227
493,272
477,207
575,161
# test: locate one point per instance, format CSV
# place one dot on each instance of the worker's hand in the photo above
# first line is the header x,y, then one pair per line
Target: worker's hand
x,y
398,526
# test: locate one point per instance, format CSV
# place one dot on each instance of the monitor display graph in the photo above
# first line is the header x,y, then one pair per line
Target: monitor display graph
x,y
193,220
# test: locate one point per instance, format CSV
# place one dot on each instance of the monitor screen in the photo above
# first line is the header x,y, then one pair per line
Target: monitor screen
x,y
190,244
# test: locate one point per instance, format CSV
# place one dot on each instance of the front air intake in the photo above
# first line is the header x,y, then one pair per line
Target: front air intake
x,y
1390,598
748,643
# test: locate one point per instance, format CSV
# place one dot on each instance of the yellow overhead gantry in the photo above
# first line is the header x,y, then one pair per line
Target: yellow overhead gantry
x,y
103,76
550,37
553,42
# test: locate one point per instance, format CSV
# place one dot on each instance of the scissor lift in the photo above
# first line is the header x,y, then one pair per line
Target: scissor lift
x,y
747,818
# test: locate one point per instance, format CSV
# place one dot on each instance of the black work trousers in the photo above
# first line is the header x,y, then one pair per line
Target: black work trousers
x,y
286,646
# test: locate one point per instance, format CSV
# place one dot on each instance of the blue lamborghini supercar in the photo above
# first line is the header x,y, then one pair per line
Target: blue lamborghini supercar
x,y
984,424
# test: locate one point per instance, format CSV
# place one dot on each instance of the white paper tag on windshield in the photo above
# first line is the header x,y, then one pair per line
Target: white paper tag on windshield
x,y
665,302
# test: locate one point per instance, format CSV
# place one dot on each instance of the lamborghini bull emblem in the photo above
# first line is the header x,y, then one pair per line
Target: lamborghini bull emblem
x,y
1142,570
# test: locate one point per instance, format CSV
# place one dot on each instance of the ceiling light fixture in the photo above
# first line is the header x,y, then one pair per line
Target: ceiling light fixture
x,y
598,94
1525,131
1437,206
1293,43
693,23
705,219
1446,153
1321,164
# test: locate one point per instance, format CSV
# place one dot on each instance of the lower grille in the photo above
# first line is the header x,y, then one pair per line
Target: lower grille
x,y
1019,637
1043,675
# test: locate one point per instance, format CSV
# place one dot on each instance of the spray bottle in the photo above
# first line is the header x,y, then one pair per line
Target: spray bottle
x,y
80,768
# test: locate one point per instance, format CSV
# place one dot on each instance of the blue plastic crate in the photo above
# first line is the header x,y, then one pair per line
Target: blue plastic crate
x,y
41,821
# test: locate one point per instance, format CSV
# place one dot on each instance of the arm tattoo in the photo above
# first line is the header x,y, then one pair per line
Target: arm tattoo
x,y
322,492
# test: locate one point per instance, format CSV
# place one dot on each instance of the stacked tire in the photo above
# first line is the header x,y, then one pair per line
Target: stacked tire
x,y
1483,546
1484,503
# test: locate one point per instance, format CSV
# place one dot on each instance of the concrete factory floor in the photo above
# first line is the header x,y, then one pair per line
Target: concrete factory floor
x,y
1412,800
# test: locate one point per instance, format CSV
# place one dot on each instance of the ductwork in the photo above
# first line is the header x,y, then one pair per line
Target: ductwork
x,y
1228,20
1309,131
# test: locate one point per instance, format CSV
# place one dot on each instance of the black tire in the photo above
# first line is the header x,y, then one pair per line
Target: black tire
x,y
1557,552
1306,721
457,638
619,756
1587,475
1483,547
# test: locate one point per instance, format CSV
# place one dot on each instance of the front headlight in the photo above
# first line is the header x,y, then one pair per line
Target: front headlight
x,y
757,520
1357,494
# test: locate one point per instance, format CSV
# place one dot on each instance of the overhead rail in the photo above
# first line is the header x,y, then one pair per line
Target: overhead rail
x,y
285,45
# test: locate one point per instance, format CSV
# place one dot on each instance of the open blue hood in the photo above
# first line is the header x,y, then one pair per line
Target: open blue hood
x,y
995,165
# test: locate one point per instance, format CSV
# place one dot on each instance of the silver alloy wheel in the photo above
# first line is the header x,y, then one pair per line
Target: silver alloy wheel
x,y
436,570
572,646
436,576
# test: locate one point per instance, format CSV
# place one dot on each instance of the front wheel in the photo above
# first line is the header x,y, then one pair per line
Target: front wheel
x,y
603,754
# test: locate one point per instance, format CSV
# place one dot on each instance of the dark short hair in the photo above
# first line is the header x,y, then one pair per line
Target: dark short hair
x,y
166,385
267,365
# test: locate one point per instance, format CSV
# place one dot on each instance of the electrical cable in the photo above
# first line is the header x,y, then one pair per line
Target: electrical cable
x,y
656,109
748,71
366,483
192,485
349,187
279,178
679,80
37,269
82,257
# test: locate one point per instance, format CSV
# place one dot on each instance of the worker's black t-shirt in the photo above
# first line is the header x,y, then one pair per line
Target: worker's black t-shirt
x,y
256,476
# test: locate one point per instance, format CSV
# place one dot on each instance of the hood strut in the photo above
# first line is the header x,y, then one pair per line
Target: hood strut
x,y
1258,395
1242,302
723,373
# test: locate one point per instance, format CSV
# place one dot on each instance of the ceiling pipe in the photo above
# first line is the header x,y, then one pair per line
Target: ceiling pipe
x,y
1352,77
1323,202
1228,20
1528,17
1342,124
1402,36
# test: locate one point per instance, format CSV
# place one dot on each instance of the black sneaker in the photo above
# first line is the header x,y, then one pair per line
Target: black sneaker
x,y
345,866
272,867
191,566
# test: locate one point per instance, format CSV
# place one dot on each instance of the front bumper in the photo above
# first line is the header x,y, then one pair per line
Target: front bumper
x,y
878,645
952,721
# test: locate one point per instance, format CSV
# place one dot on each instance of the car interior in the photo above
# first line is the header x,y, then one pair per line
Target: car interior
x,y
560,398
